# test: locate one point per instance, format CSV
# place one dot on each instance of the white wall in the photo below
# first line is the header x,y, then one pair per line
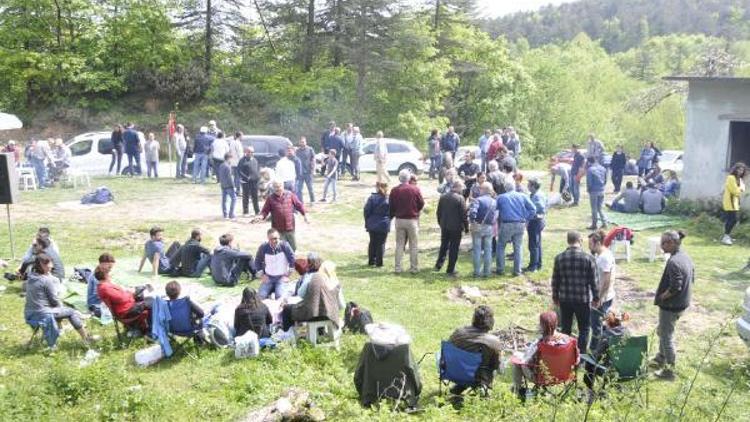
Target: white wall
x,y
707,135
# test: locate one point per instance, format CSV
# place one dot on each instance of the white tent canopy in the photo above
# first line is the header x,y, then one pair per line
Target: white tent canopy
x,y
9,121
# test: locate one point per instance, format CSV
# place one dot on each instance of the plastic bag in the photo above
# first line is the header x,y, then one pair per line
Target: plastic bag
x,y
149,356
106,317
246,345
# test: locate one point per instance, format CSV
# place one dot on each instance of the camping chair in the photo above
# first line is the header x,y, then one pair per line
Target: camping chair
x,y
458,366
556,365
50,330
122,332
181,324
624,359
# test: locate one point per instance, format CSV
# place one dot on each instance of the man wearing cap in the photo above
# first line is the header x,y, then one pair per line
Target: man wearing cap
x,y
201,149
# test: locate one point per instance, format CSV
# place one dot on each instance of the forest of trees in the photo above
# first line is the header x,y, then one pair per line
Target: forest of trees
x,y
289,66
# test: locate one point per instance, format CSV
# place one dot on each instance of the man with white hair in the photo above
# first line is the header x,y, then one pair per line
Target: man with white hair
x,y
201,148
405,203
514,211
40,154
281,205
381,158
213,129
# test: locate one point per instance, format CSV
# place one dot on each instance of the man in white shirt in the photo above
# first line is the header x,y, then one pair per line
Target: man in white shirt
x,y
606,267
235,147
381,158
285,171
219,148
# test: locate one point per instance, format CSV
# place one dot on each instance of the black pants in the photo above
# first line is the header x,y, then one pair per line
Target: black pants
x,y
376,248
730,220
116,159
216,165
582,313
449,243
617,178
250,190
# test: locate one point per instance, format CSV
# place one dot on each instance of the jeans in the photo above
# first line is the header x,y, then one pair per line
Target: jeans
x,y
152,166
665,331
449,243
40,170
481,249
376,248
435,163
512,232
342,163
596,323
116,159
575,189
307,179
534,229
232,195
597,203
330,181
354,167
274,285
200,166
181,165
236,177
216,164
483,166
730,220
134,158
406,229
201,265
617,176
250,190
582,312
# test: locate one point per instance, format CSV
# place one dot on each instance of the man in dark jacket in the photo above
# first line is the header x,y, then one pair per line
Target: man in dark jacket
x,y
617,165
132,149
192,258
476,338
306,157
451,215
201,149
672,297
450,142
249,173
227,263
226,181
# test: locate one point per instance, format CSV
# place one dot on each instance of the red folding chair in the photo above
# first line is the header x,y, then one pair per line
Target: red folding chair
x,y
556,364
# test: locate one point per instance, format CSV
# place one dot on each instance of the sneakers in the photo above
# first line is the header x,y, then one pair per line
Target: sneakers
x,y
655,364
666,374
726,240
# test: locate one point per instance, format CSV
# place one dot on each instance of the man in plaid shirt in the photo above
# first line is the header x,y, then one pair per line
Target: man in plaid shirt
x,y
574,281
281,205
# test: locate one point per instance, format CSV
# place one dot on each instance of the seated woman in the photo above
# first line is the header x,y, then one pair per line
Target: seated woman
x,y
476,338
672,185
127,306
524,363
322,299
42,301
252,315
312,265
613,330
173,290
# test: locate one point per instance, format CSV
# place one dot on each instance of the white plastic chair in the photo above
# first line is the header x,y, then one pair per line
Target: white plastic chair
x,y
621,249
309,330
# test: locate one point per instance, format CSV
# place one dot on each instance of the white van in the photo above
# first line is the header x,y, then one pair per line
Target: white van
x,y
92,152
401,155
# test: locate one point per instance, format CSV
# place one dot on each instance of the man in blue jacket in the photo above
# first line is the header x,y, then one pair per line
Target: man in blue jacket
x,y
201,149
274,260
132,149
450,142
596,180
514,211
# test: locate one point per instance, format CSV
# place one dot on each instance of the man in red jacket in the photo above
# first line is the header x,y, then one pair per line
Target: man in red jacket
x,y
281,205
405,205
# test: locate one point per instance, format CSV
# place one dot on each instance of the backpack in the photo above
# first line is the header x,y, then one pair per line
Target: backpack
x,y
81,275
101,195
356,318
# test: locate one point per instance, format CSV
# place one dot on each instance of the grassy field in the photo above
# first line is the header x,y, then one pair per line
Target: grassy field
x,y
36,385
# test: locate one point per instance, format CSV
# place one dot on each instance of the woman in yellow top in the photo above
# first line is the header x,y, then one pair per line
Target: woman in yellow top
x,y
733,188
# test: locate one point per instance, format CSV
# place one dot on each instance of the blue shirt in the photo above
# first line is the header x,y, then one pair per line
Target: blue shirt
x,y
540,202
92,298
152,247
515,207
484,143
203,143
596,178
132,143
482,210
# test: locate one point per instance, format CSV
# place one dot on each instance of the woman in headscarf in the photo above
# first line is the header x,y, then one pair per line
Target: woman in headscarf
x,y
322,299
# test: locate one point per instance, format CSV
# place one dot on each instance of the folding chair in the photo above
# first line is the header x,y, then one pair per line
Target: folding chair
x,y
37,326
181,325
624,359
458,366
557,365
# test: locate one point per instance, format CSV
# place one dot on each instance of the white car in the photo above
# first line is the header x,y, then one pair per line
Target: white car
x,y
91,152
401,155
671,160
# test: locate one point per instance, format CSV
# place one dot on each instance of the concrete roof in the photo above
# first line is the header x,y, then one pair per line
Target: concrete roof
x,y
728,79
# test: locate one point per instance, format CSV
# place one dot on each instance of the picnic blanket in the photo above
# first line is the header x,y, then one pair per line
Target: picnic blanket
x,y
638,222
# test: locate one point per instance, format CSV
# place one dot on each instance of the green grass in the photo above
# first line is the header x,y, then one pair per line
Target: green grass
x,y
37,386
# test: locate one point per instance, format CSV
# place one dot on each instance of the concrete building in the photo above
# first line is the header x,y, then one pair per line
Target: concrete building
x,y
717,132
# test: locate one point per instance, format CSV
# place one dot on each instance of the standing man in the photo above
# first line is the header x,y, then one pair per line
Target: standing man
x,y
606,275
306,157
274,260
405,202
298,178
596,180
285,171
450,142
536,225
132,149
235,148
513,144
451,216
514,210
484,144
468,171
116,150
249,173
330,172
595,148
336,142
672,297
226,181
201,149
346,152
214,130
433,151
574,288
219,149
356,146
381,158
325,138
180,146
281,206
577,170
619,161
482,216
41,153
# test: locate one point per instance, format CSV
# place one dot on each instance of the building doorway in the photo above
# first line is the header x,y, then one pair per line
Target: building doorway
x,y
739,142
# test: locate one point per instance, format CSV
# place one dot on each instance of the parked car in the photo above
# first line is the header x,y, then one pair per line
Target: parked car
x,y
266,147
91,152
671,160
743,322
566,156
401,155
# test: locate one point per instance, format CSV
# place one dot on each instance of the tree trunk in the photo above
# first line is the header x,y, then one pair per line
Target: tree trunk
x,y
437,14
209,41
308,54
337,34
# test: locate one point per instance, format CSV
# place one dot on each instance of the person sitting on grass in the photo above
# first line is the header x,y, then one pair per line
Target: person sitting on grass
x,y
323,300
652,200
192,258
627,201
252,315
130,307
274,260
228,263
524,363
477,338
173,290
614,330
153,251
42,300
672,185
